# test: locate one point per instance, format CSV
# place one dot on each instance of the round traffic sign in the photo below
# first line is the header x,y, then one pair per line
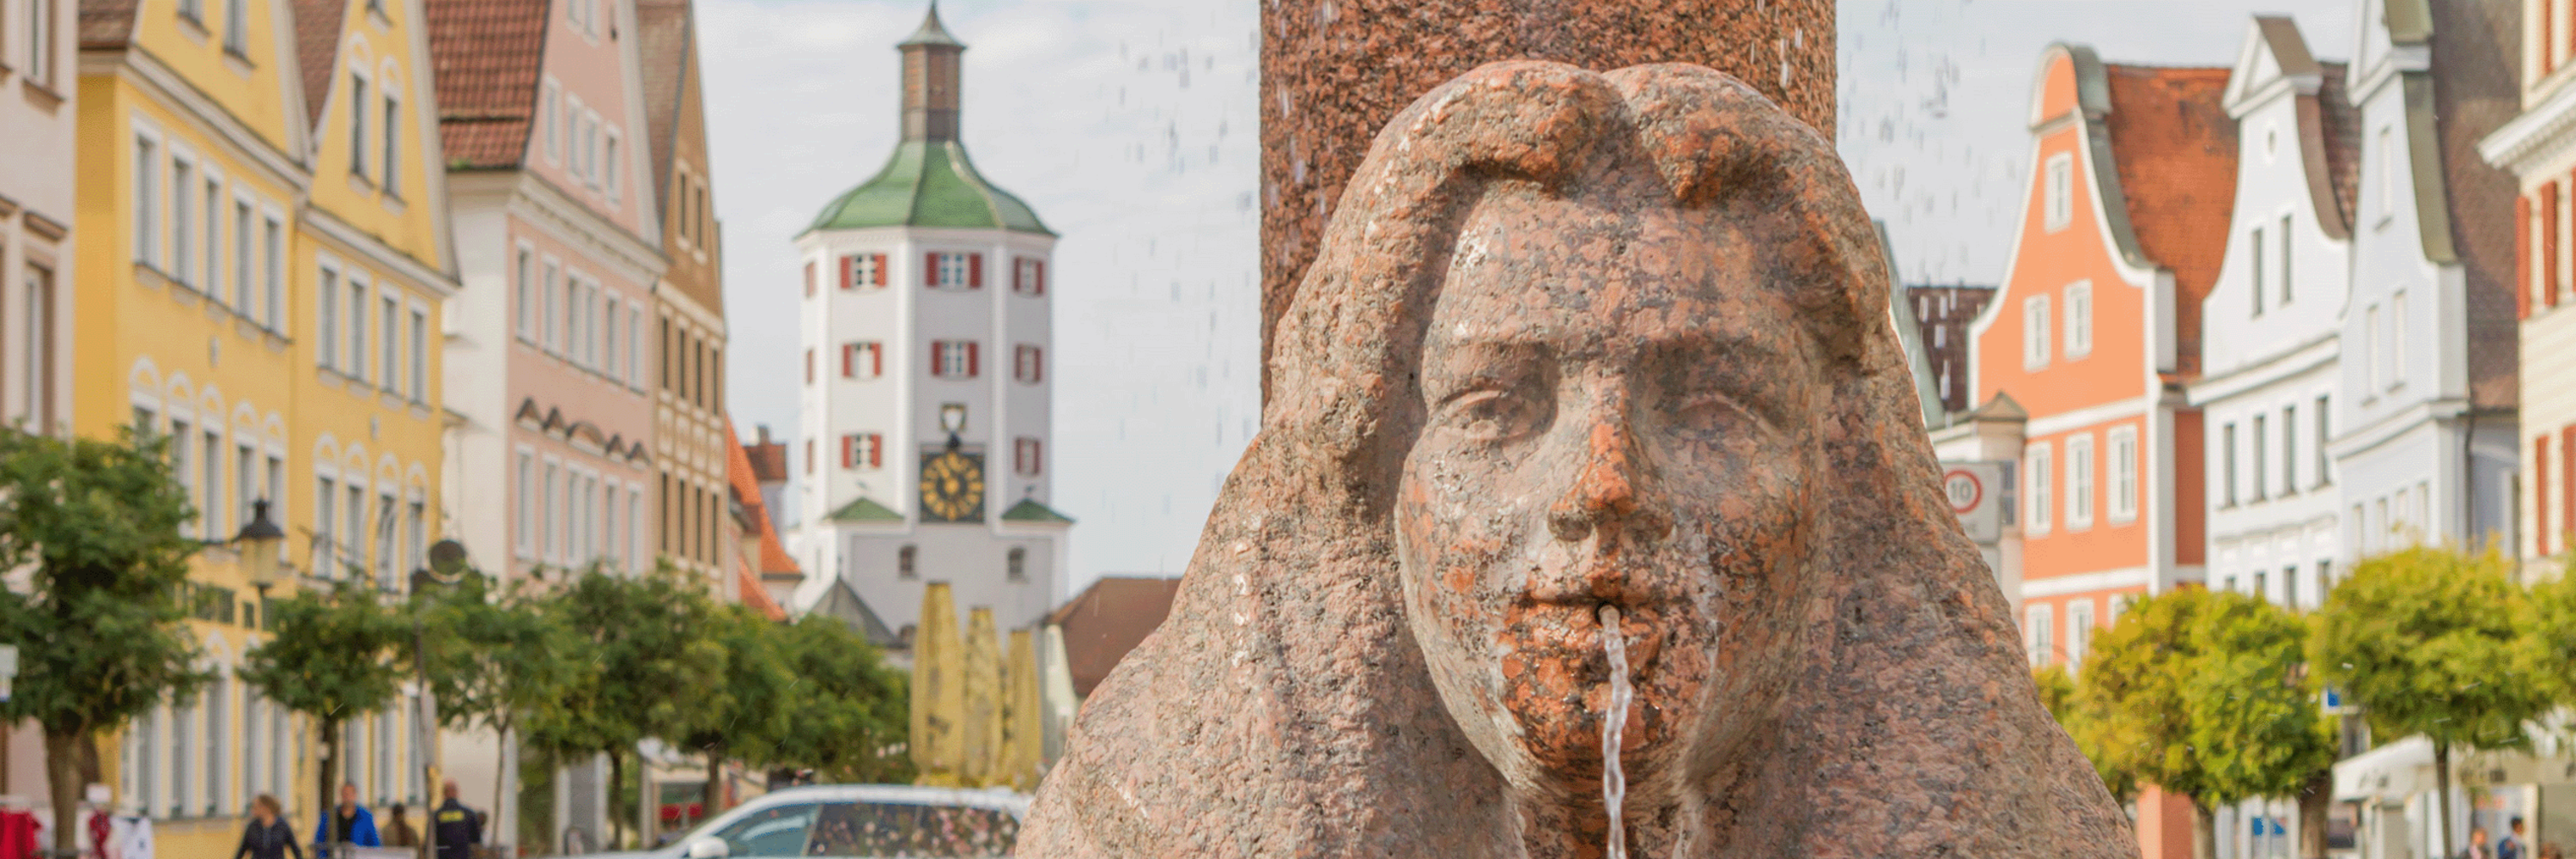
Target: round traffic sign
x,y
1964,490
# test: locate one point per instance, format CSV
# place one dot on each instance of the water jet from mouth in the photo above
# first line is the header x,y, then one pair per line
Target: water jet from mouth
x,y
1614,720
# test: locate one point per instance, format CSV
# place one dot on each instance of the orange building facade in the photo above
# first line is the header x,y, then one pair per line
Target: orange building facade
x,y
2093,330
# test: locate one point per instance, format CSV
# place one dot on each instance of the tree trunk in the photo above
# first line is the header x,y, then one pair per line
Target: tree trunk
x,y
616,782
714,800
504,800
2204,831
63,783
2442,792
322,774
2315,801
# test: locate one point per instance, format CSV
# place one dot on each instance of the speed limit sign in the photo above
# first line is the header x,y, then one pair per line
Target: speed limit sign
x,y
1977,495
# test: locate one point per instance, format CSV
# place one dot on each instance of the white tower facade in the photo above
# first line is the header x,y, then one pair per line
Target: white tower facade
x,y
927,330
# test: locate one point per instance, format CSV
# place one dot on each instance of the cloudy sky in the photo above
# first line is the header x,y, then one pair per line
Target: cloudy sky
x,y
1130,126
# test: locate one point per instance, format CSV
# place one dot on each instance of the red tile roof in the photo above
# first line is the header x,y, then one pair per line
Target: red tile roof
x,y
487,55
2342,131
317,49
1108,619
662,31
748,586
768,460
2176,151
774,560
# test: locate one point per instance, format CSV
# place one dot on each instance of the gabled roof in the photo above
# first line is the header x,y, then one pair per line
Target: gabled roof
x,y
932,32
665,34
864,510
2341,133
1029,510
1107,620
2174,148
488,56
775,563
747,589
842,603
317,49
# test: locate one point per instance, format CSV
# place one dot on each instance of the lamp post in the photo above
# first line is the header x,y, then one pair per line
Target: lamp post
x,y
447,566
262,546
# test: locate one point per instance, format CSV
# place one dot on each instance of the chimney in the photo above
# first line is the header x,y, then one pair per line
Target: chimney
x,y
764,434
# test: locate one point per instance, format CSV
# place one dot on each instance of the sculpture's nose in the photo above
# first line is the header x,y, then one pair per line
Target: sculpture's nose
x,y
1605,498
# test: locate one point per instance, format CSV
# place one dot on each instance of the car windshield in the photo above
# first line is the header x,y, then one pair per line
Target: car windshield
x,y
871,830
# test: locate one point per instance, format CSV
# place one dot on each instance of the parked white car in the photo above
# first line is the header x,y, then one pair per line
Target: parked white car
x,y
872,821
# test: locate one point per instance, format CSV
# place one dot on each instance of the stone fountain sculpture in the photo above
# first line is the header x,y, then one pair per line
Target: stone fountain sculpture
x,y
1583,347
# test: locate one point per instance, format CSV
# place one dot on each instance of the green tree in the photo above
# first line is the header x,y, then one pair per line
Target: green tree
x,y
330,656
2203,694
99,633
2058,692
2420,639
646,637
747,714
496,657
851,712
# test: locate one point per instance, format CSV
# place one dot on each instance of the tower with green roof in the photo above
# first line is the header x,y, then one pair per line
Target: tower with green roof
x,y
926,404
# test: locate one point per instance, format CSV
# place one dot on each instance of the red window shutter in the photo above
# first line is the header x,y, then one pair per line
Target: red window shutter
x,y
2549,244
809,278
975,271
1040,288
847,365
1037,365
809,456
809,366
846,263
2522,257
1037,457
935,368
878,261
930,269
849,451
2540,495
2567,479
974,366
876,451
1019,276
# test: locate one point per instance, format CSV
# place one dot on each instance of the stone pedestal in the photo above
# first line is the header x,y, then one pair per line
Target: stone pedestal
x,y
1334,71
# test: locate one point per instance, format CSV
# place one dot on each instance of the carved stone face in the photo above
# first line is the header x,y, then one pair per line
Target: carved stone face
x,y
1617,410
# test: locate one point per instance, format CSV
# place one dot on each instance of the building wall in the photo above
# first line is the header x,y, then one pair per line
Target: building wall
x,y
37,209
903,405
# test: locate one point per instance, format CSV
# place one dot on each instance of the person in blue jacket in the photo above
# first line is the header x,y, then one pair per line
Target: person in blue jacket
x,y
346,823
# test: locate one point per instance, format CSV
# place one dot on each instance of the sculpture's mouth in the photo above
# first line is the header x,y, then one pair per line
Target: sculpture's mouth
x,y
1570,633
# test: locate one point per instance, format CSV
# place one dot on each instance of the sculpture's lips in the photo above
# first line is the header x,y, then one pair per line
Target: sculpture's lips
x,y
1572,632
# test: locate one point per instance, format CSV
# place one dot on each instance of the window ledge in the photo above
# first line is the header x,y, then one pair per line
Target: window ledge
x,y
40,95
238,62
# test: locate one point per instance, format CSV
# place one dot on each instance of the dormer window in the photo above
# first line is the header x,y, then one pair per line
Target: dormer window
x,y
2060,193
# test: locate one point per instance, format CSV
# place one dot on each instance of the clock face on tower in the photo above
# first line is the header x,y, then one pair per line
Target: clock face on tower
x,y
952,486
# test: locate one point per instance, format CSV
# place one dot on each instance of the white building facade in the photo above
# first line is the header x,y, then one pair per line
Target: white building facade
x,y
2424,433
2273,323
927,328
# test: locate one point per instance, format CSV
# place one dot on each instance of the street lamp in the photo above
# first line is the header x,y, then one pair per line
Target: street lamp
x,y
952,418
262,546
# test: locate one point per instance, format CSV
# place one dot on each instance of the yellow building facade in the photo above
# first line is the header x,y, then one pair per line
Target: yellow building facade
x,y
266,286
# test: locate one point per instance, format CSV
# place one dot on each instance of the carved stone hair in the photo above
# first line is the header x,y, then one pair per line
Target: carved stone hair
x,y
1284,708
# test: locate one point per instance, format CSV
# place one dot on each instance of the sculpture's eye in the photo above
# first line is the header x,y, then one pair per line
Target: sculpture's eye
x,y
1712,410
1492,414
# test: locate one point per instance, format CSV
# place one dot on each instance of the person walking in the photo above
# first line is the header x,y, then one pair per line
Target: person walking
x,y
2477,848
267,836
2512,845
346,823
397,830
459,829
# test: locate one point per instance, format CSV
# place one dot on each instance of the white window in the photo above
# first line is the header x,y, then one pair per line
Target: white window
x,y
860,451
2255,247
2034,332
862,360
523,514
40,42
147,201
273,248
608,165
2370,357
953,359
218,699
2043,647
357,367
210,494
326,522
242,236
2079,631
2079,319
393,144
550,311
2387,171
2262,457
547,548
236,27
254,727
634,343
524,285
2061,190
608,343
213,204
2396,339
634,526
327,345
2042,474
590,137
419,355
2285,260
957,271
608,525
183,221
2289,450
2079,482
2124,473
571,122
389,340
553,122
2227,465
38,343
358,103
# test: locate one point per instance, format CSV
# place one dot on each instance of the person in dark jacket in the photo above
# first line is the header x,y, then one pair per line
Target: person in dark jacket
x,y
459,829
267,836
397,828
